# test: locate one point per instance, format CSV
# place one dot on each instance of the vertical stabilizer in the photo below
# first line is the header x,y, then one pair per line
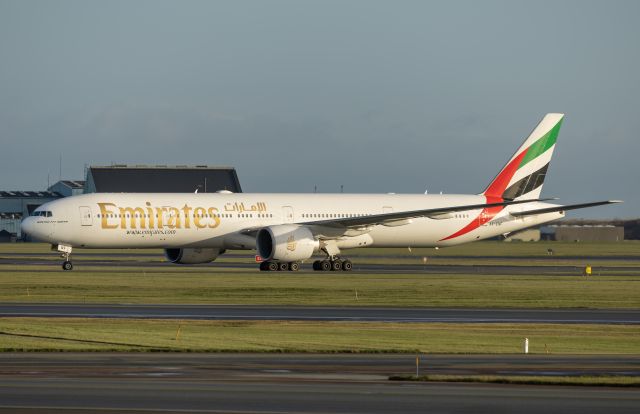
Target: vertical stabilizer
x,y
525,172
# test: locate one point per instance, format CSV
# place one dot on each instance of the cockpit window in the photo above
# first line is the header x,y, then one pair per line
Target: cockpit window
x,y
42,213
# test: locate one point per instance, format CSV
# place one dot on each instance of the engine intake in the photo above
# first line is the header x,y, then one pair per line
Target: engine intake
x,y
286,242
192,255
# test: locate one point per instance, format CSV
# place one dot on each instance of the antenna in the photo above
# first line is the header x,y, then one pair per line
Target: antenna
x,y
60,169
315,188
342,188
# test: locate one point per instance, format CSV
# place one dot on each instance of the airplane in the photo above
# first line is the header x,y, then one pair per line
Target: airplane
x,y
287,229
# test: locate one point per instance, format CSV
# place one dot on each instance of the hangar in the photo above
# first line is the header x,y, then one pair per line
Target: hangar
x,y
15,205
161,179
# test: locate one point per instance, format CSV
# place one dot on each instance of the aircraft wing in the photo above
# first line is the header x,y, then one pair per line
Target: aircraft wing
x,y
563,208
401,216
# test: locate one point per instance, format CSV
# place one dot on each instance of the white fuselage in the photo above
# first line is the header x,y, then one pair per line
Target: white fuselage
x,y
225,221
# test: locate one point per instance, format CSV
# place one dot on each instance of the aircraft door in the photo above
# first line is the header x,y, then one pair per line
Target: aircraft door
x,y
287,214
85,216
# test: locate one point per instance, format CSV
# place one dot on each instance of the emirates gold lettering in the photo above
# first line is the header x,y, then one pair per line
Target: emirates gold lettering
x,y
198,215
113,216
105,212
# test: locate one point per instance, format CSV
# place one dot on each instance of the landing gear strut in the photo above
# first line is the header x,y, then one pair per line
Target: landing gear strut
x,y
66,254
333,262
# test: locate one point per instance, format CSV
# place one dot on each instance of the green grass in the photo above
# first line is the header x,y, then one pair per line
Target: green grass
x,y
75,334
220,284
202,286
605,381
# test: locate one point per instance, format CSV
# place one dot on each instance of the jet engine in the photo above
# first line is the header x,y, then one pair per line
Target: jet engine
x,y
192,255
286,242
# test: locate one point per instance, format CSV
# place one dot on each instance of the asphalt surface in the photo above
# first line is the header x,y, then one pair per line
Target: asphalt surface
x,y
543,266
314,313
291,383
249,383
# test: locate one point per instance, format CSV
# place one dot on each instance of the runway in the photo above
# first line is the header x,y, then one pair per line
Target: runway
x,y
264,383
315,313
543,266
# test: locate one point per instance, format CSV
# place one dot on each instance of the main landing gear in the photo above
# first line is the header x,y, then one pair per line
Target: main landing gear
x,y
333,261
336,264
275,266
66,254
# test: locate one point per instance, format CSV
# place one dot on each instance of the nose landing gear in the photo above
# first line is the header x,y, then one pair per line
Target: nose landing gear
x,y
66,254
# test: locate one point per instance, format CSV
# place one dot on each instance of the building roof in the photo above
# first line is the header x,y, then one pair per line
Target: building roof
x,y
77,184
161,179
30,194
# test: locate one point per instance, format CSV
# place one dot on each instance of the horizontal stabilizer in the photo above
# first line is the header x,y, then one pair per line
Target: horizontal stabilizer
x,y
563,208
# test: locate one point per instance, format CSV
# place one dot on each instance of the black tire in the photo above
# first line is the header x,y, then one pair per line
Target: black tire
x,y
347,266
283,266
336,265
272,266
263,266
67,265
294,266
325,265
316,265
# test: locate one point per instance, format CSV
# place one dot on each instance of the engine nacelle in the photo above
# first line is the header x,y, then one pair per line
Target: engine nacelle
x,y
192,255
286,242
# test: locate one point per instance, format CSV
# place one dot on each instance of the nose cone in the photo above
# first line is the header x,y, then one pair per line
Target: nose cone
x,y
27,226
31,229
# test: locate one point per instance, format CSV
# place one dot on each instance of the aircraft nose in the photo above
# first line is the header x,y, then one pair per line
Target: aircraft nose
x,y
26,226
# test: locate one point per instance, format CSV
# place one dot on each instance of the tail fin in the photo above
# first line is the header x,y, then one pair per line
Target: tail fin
x,y
525,172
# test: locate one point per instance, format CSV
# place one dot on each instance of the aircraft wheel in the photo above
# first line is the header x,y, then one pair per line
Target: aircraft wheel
x,y
316,265
294,266
67,265
325,265
264,266
283,266
347,265
336,265
272,266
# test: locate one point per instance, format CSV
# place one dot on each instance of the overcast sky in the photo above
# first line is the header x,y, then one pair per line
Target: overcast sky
x,y
378,96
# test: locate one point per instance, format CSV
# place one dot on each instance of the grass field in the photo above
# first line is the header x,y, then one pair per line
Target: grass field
x,y
114,282
46,334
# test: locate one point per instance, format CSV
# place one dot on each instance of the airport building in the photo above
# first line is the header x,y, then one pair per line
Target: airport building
x,y
68,188
587,233
161,179
15,205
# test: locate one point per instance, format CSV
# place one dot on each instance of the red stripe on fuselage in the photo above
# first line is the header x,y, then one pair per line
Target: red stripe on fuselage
x,y
485,216
493,193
